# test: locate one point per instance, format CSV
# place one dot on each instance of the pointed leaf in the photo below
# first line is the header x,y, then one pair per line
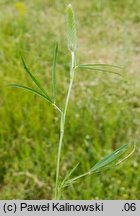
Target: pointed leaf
x,y
95,68
71,29
34,79
106,162
68,175
110,158
54,72
31,90
102,65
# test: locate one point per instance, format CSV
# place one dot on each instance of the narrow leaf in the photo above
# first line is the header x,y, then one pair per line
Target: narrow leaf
x,y
68,175
31,90
34,79
110,158
109,161
71,29
102,65
54,72
97,69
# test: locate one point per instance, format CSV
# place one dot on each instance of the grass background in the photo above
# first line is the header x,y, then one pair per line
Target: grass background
x,y
104,110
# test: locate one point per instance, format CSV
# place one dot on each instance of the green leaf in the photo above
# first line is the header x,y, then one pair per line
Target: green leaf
x,y
31,90
97,68
34,79
71,29
54,72
110,158
109,161
63,184
102,65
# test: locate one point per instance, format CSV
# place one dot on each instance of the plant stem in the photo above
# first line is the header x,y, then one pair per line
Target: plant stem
x,y
80,176
56,107
62,125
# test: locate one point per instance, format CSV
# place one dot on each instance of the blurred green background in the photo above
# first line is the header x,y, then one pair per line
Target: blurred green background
x,y
104,109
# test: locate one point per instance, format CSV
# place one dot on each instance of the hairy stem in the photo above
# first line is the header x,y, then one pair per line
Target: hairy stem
x,y
62,125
